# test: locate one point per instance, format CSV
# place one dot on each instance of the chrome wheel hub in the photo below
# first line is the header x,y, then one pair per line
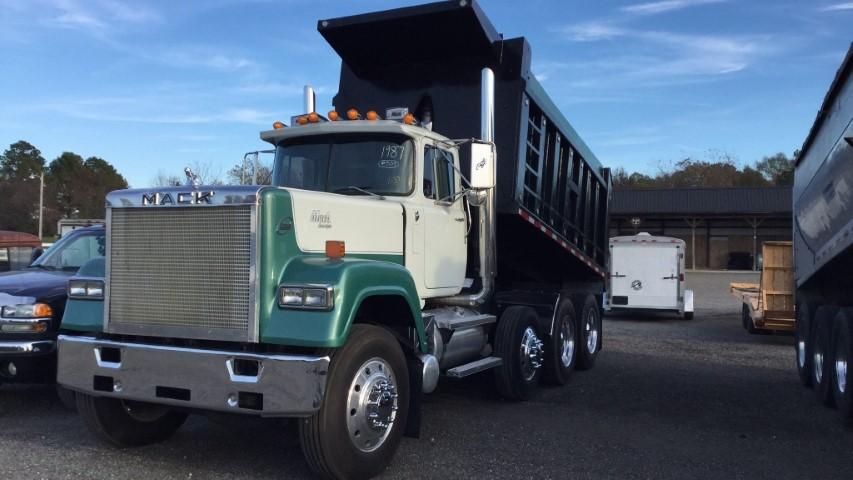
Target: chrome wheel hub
x,y
801,353
532,353
591,327
567,342
818,365
841,374
372,405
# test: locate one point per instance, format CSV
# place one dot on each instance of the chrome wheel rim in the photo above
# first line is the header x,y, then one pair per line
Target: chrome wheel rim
x,y
372,405
801,353
818,365
567,342
591,327
841,374
531,354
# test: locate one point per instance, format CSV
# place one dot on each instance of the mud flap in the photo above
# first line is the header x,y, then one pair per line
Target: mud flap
x,y
416,390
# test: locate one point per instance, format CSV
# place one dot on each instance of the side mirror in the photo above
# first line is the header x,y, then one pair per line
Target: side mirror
x,y
483,159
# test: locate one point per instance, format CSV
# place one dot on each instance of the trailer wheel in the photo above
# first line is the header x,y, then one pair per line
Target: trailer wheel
x,y
361,421
748,323
842,378
589,333
125,423
802,343
518,344
822,355
562,352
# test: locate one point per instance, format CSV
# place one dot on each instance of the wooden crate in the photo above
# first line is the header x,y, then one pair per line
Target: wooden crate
x,y
777,282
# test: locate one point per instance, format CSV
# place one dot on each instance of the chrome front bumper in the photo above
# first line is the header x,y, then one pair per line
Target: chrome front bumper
x,y
272,385
27,348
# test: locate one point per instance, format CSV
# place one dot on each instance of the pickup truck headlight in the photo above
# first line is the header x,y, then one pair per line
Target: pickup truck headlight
x,y
86,289
25,318
306,297
33,310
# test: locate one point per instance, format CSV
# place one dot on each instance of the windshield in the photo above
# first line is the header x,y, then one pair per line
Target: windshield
x,y
15,258
348,164
72,251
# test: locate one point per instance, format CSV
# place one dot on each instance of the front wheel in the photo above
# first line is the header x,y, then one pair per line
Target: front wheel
x,y
590,333
359,426
125,423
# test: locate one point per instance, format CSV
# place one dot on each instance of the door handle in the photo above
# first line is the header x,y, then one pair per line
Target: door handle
x,y
460,219
616,275
671,277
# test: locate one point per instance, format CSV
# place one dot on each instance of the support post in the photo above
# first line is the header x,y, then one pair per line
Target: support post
x,y
41,202
692,223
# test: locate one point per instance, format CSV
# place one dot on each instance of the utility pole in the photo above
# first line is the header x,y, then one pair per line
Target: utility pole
x,y
41,202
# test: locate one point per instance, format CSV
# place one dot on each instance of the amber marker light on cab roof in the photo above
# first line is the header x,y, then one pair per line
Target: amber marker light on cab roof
x,y
409,119
352,114
371,115
277,125
313,117
333,116
335,248
303,120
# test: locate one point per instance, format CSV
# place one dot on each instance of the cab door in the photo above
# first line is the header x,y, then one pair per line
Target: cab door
x,y
445,222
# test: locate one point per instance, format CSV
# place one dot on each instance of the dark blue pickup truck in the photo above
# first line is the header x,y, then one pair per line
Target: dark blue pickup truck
x,y
32,301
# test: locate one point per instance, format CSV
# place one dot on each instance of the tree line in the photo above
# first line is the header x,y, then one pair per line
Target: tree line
x,y
718,172
74,187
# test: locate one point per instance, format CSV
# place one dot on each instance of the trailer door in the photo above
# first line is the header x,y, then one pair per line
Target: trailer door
x,y
645,276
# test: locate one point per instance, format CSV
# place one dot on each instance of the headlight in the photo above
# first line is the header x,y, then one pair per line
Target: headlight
x,y
308,297
34,310
82,289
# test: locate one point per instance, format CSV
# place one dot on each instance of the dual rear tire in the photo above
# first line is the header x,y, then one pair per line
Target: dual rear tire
x,y
828,355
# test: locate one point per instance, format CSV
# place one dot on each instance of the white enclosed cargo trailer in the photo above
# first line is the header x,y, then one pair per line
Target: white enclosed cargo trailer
x,y
647,273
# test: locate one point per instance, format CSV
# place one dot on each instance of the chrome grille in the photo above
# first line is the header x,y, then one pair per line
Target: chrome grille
x,y
181,272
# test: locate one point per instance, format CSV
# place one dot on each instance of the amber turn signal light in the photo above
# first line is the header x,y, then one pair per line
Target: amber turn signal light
x,y
335,248
313,117
371,115
409,119
333,116
277,125
303,120
352,114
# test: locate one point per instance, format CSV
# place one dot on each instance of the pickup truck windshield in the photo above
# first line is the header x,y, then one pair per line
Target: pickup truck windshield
x,y
350,164
72,251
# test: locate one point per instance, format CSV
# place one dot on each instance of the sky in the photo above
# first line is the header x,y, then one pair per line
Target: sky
x,y
152,86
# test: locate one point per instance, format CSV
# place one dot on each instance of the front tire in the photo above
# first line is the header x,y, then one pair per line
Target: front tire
x,y
562,354
590,333
361,421
517,343
124,423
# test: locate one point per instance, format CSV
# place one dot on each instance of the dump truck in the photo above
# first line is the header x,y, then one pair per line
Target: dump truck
x,y
768,305
443,219
823,248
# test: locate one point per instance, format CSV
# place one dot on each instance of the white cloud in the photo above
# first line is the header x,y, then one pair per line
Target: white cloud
x,y
837,7
650,8
591,31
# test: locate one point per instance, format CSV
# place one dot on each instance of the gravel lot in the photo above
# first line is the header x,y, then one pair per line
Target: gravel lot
x,y
667,399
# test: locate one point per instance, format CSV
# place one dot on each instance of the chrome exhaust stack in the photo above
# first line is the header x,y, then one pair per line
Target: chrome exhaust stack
x,y
310,99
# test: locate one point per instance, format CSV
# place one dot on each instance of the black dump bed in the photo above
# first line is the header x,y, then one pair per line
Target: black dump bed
x,y
552,193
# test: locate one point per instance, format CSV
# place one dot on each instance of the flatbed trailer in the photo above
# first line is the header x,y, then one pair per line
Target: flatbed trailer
x,y
769,304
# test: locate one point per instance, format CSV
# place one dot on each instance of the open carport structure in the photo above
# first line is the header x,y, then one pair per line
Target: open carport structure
x,y
718,224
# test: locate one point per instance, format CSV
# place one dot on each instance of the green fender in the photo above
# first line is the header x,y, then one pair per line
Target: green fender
x,y
353,280
86,315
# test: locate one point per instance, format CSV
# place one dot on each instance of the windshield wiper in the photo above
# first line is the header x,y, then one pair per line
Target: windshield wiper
x,y
363,190
42,267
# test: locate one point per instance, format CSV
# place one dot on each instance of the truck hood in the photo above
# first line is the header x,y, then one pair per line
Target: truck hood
x,y
367,225
39,285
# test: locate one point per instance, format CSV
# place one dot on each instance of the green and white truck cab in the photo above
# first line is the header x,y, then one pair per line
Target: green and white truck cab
x,y
390,250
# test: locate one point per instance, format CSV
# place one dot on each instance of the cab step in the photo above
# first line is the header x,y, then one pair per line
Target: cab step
x,y
476,366
468,321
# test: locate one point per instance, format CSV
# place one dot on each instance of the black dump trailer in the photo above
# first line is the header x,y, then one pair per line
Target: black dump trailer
x,y
552,193
823,247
